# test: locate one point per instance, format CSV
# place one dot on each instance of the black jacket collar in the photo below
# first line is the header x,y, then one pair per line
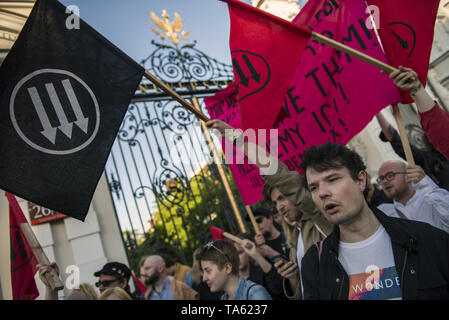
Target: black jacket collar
x,y
395,229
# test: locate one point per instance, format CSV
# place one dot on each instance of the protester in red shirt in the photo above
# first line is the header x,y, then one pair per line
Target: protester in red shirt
x,y
434,120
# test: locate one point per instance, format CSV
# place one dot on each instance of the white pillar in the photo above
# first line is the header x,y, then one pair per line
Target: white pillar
x,y
86,244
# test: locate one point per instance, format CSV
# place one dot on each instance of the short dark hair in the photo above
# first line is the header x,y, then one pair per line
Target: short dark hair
x,y
220,252
331,156
168,260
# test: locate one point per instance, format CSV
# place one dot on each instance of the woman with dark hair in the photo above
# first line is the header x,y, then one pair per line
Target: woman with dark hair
x,y
194,280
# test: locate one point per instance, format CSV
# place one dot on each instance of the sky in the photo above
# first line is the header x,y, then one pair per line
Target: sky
x,y
127,25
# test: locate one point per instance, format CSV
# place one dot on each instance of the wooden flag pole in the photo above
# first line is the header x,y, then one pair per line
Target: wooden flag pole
x,y
232,237
403,135
52,277
357,54
236,239
175,95
253,220
221,171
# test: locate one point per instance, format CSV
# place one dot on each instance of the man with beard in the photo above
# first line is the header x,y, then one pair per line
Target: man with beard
x,y
415,195
160,286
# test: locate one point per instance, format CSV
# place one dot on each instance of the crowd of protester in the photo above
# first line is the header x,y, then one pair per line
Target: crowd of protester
x,y
332,233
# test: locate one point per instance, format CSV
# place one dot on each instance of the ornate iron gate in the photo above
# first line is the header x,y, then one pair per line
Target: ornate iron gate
x,y
165,188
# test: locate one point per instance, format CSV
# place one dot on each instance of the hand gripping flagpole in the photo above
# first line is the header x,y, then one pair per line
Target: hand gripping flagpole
x,y
52,277
336,45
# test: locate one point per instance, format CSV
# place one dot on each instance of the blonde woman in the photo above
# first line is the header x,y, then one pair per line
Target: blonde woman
x,y
115,293
84,292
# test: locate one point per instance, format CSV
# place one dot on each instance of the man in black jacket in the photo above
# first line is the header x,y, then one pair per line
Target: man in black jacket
x,y
368,255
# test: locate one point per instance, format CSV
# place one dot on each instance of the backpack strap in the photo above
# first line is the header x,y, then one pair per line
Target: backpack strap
x,y
319,247
400,214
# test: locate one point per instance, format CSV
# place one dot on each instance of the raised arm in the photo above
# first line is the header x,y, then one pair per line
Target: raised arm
x,y
267,163
407,79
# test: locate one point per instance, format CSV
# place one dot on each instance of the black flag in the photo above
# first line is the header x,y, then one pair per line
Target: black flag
x,y
63,95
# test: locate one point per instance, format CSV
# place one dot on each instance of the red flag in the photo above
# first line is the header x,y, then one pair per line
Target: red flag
x,y
217,233
406,31
23,261
140,285
265,51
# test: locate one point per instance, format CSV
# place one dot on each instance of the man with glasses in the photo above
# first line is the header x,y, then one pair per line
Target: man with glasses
x,y
415,196
113,274
368,255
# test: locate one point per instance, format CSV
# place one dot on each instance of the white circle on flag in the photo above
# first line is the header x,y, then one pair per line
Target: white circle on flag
x,y
46,149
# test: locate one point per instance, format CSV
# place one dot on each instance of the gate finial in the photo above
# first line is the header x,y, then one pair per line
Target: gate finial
x,y
169,29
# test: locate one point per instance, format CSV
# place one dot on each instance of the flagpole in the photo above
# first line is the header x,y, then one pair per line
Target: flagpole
x,y
357,54
51,276
253,220
384,67
221,171
403,135
175,95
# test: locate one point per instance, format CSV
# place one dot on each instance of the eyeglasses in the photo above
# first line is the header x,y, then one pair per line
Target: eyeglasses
x,y
388,177
105,283
210,244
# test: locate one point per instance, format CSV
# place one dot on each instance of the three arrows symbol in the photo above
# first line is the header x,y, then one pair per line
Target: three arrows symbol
x,y
81,120
254,74
403,42
65,126
49,132
244,80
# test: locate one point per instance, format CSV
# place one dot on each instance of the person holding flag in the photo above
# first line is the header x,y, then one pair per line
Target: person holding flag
x,y
286,189
434,120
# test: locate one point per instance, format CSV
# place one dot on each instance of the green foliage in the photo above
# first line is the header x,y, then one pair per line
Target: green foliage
x,y
182,221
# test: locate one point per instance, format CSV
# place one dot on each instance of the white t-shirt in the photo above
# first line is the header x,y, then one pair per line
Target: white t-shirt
x,y
371,268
